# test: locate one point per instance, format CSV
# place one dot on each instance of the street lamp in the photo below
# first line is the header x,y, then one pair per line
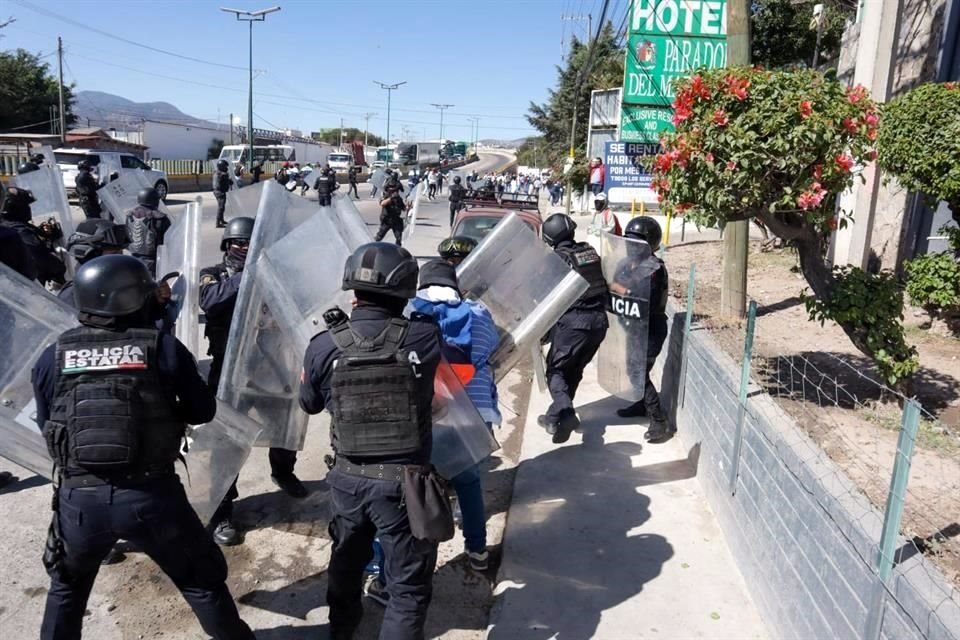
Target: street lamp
x,y
474,137
250,17
390,89
442,107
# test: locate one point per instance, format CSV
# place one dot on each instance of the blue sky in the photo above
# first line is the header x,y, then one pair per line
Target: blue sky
x,y
489,58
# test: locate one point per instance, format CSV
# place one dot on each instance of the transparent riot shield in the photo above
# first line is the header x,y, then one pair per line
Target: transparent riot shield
x,y
108,167
414,197
261,369
523,283
622,358
215,454
349,222
30,320
296,300
46,183
378,178
246,201
120,196
461,438
180,254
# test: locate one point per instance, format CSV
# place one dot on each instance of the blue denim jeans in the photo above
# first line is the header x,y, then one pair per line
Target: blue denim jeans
x,y
470,495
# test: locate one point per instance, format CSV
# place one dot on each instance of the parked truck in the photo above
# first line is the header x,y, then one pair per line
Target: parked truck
x,y
422,155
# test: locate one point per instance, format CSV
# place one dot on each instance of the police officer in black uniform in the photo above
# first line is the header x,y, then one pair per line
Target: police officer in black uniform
x,y
43,263
457,194
352,177
393,208
87,187
146,227
646,229
325,184
92,239
114,397
219,286
375,374
221,184
575,338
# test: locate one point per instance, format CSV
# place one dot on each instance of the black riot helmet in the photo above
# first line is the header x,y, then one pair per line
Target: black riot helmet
x,y
95,236
149,198
557,228
84,165
456,179
644,228
113,286
222,165
382,268
16,205
456,247
237,229
27,167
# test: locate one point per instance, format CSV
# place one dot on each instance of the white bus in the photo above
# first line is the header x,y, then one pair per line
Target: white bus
x,y
234,153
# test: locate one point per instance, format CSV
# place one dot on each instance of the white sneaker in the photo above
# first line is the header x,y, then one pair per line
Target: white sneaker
x,y
376,591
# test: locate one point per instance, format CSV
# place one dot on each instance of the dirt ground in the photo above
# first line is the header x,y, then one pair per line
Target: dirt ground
x,y
818,377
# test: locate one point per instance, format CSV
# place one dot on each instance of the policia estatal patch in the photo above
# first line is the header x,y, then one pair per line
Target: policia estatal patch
x,y
104,359
626,307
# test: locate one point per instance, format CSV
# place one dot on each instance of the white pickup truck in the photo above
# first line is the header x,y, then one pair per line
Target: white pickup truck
x,y
107,162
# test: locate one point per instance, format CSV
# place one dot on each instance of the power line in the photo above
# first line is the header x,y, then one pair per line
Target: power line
x,y
134,43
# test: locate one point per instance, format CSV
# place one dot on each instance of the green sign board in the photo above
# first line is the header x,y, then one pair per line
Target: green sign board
x,y
644,124
668,39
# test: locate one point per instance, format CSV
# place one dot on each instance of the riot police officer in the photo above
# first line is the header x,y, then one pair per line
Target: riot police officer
x,y
646,229
221,184
43,263
352,177
576,337
219,286
457,194
374,372
146,227
33,164
393,208
87,186
325,185
92,239
116,477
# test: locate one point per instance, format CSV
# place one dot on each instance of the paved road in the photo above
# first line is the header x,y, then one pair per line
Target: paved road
x,y
278,575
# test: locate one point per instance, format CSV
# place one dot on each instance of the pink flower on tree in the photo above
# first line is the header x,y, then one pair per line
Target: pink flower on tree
x,y
850,125
731,165
844,162
856,94
708,157
806,109
720,118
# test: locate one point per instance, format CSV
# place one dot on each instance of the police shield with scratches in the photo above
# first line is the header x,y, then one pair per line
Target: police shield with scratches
x,y
638,323
114,397
375,372
578,333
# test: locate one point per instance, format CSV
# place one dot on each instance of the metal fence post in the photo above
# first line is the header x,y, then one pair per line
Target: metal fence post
x,y
742,403
688,320
909,427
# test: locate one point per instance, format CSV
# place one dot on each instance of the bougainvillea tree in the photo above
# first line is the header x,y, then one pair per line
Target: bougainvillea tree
x,y
777,147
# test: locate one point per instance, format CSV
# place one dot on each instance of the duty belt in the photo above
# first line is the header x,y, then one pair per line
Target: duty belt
x,y
119,480
373,471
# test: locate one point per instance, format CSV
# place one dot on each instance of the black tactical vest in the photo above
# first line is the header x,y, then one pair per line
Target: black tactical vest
x,y
374,392
110,407
585,261
142,232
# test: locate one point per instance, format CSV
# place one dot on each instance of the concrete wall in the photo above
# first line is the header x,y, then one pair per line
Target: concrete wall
x,y
803,536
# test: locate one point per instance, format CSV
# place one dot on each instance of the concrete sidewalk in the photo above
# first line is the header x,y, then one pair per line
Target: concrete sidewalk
x,y
608,537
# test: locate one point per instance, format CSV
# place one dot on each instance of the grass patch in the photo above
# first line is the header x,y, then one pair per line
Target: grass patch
x,y
932,434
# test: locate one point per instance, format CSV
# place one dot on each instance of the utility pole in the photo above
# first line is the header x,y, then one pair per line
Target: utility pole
x,y
474,122
63,117
390,88
250,17
231,128
366,127
819,18
442,107
581,18
736,235
341,133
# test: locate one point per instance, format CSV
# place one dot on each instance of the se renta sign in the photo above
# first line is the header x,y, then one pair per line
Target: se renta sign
x,y
626,177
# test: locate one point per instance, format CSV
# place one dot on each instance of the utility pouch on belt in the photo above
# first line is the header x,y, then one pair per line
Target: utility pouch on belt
x,y
103,422
428,508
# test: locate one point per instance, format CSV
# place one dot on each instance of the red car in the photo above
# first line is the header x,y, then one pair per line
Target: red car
x,y
483,213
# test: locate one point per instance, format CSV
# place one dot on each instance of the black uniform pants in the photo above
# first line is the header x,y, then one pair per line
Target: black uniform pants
x,y
221,204
353,190
645,358
454,208
324,199
157,519
571,350
362,508
91,207
431,190
394,224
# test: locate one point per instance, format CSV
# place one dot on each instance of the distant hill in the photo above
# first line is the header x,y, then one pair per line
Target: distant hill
x,y
99,109
503,144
